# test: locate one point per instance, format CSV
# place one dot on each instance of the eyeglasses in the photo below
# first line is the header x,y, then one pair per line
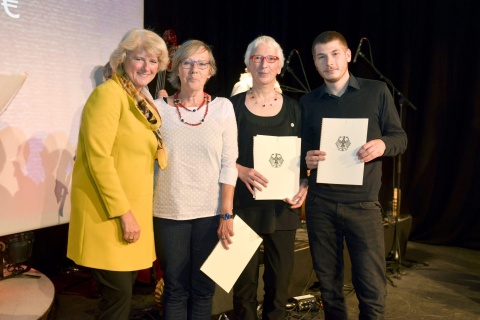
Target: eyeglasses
x,y
188,64
259,58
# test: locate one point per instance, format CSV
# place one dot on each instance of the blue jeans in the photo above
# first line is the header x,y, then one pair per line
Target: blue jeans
x,y
360,225
182,247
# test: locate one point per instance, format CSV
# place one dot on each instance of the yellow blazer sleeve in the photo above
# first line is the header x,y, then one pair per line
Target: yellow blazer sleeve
x,y
101,118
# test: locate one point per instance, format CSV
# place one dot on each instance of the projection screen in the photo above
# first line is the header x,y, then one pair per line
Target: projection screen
x,y
51,59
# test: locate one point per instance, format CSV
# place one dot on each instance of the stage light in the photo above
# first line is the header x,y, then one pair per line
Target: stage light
x,y
15,253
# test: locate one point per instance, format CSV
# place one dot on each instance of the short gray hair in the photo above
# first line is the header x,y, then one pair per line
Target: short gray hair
x,y
269,42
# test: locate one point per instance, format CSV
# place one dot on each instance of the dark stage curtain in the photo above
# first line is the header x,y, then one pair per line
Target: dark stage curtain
x,y
428,50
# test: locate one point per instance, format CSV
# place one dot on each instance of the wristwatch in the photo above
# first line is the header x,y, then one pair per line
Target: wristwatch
x,y
226,216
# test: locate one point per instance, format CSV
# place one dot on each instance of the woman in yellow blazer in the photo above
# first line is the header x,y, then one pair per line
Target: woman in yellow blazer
x,y
111,228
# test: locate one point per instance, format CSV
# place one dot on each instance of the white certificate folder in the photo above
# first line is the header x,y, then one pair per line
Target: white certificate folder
x,y
278,160
341,139
225,266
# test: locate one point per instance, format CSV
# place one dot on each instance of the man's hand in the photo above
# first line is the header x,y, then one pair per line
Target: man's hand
x,y
312,158
371,150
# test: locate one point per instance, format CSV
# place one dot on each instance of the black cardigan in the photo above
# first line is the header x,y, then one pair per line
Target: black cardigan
x,y
264,216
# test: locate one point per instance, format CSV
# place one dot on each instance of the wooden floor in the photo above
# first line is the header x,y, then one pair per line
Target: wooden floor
x,y
434,282
448,288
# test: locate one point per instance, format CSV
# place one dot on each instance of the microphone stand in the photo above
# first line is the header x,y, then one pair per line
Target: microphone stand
x,y
395,253
306,89
395,90
287,88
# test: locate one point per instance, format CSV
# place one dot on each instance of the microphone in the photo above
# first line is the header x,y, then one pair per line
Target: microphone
x,y
287,63
358,49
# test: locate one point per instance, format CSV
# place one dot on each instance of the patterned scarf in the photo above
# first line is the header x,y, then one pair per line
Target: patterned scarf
x,y
148,110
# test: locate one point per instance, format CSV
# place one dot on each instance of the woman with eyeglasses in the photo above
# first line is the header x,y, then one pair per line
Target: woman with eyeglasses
x,y
262,110
193,196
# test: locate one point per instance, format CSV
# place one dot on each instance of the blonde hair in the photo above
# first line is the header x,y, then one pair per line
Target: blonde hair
x,y
140,38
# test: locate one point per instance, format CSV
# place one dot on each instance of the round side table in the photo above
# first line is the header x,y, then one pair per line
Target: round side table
x,y
27,296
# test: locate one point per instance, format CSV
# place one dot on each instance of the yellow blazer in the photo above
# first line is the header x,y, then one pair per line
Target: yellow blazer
x,y
113,173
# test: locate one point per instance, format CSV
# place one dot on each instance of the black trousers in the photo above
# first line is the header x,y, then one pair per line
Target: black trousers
x,y
278,258
116,290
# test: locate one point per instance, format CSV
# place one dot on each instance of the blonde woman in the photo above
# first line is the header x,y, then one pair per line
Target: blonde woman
x,y
111,228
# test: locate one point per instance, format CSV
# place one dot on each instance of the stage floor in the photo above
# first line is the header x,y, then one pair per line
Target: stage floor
x,y
447,288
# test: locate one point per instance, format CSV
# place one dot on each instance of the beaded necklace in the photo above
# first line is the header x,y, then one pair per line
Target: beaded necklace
x,y
252,96
178,105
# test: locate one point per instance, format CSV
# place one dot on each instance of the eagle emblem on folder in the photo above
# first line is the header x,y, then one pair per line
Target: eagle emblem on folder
x,y
343,143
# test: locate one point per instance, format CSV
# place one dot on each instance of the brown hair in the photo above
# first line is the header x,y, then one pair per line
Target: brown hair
x,y
329,36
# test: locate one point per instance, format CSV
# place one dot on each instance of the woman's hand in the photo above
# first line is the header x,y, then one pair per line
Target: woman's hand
x,y
225,232
252,178
131,229
313,157
299,198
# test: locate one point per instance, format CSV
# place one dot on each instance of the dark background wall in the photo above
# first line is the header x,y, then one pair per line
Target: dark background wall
x,y
428,50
